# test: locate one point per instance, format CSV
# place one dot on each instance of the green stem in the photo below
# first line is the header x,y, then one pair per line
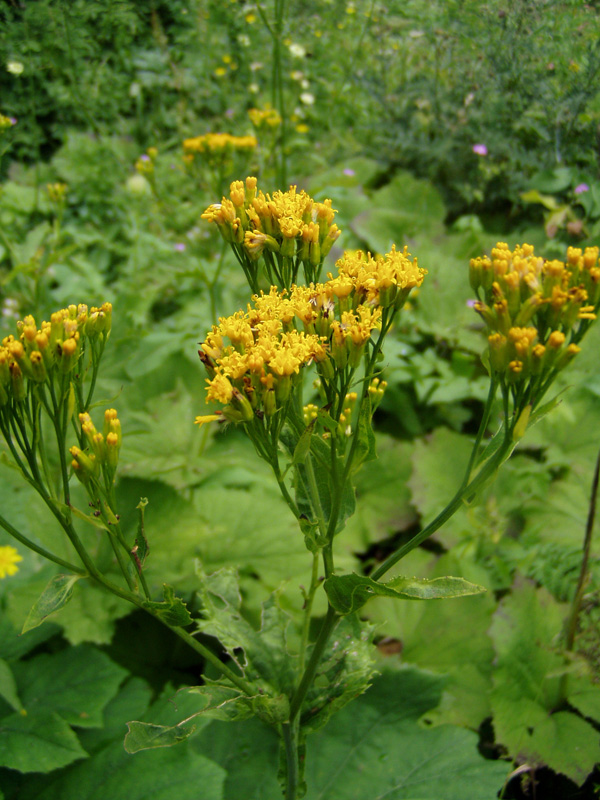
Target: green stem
x,y
327,627
208,655
584,569
290,742
310,596
464,492
482,428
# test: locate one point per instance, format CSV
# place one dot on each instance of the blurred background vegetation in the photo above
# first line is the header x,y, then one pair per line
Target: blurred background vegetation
x,y
445,126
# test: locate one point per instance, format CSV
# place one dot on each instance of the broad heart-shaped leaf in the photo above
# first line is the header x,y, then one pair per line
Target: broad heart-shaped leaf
x,y
56,594
526,697
77,683
264,659
375,749
214,701
171,610
37,743
177,773
348,593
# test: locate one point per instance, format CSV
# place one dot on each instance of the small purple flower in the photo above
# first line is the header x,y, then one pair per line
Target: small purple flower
x,y
179,247
144,157
471,303
581,188
480,149
229,112
13,120
349,172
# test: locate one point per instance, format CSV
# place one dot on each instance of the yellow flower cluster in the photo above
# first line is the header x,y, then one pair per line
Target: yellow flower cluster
x,y
9,558
382,280
253,358
55,346
217,143
264,118
103,448
57,192
536,310
290,223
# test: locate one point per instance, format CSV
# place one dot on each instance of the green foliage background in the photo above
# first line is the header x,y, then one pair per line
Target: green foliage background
x,y
401,94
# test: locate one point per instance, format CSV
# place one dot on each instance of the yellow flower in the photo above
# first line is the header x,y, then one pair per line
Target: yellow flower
x,y
9,558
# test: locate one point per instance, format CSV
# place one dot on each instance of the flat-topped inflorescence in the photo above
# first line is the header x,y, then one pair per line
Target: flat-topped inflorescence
x,y
55,348
254,358
536,310
285,229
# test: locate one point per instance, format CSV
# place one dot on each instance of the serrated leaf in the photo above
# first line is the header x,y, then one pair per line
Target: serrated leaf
x,y
217,701
171,610
56,594
263,657
348,593
346,670
528,683
38,743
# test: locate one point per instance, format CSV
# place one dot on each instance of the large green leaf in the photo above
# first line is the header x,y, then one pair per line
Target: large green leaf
x,y
37,743
348,593
376,749
76,683
528,685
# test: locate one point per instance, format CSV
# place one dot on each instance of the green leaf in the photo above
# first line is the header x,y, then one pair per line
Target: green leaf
x,y
346,670
77,683
302,448
365,444
56,594
348,593
374,749
527,687
38,743
171,610
447,638
168,774
392,756
264,658
8,687
216,701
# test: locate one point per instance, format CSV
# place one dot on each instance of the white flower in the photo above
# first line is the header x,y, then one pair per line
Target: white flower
x,y
244,40
297,75
305,84
297,50
307,98
14,67
254,88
